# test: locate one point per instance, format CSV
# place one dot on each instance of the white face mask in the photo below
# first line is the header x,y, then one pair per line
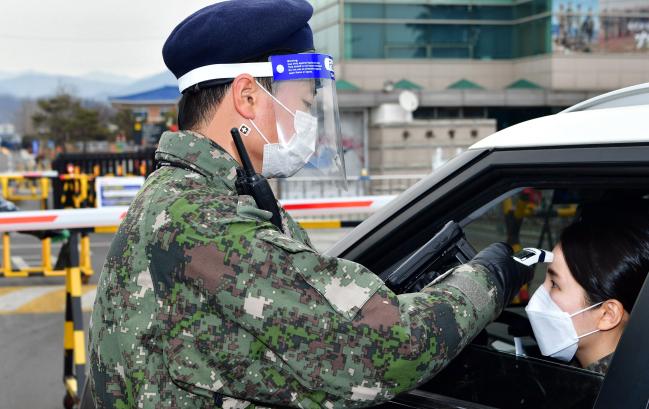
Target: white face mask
x,y
282,160
555,333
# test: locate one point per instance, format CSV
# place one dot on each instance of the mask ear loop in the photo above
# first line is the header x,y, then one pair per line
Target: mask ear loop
x,y
584,310
280,131
258,131
275,99
587,334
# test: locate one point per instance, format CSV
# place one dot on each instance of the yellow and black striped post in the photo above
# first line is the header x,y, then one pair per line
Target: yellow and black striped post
x,y
85,257
6,254
45,192
74,361
46,255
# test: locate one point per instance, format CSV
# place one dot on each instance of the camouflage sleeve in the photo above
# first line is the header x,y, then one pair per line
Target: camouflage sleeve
x,y
294,229
302,329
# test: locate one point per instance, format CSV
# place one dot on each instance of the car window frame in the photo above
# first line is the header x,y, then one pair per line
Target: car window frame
x,y
484,178
626,384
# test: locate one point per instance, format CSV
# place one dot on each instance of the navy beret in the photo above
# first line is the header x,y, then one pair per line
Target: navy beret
x,y
238,31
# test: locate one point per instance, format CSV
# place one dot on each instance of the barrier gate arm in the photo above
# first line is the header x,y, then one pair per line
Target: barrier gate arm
x,y
340,205
61,219
112,216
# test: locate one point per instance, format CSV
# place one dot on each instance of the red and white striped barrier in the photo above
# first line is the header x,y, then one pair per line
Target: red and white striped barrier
x,y
112,216
61,219
335,206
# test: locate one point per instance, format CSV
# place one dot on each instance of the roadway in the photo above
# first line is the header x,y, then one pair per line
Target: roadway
x,y
31,323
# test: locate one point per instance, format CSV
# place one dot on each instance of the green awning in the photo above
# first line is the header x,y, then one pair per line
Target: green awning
x,y
464,84
524,84
342,85
405,84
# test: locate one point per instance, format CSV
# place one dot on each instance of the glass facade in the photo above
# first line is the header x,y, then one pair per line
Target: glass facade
x,y
326,26
376,31
478,29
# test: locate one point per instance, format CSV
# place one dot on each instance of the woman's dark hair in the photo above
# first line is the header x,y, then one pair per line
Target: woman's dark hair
x,y
607,250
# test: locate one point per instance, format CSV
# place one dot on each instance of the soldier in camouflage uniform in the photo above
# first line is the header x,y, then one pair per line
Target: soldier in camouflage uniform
x,y
204,303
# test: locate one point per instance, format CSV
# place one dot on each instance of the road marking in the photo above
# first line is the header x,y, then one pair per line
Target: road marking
x,y
41,299
48,302
88,299
37,259
16,299
7,290
19,262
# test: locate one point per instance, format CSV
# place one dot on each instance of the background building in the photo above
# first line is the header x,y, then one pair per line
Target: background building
x,y
474,65
154,112
149,107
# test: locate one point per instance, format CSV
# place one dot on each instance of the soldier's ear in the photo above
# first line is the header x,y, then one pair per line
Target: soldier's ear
x,y
245,95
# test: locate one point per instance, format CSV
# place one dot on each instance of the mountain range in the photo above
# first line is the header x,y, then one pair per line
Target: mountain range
x,y
99,85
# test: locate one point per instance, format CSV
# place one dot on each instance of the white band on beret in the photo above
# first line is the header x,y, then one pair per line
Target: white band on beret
x,y
223,71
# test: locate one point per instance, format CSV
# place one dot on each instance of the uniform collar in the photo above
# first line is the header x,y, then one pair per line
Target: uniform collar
x,y
199,153
601,365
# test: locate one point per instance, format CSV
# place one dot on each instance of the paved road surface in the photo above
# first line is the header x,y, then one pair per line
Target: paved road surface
x,y
31,324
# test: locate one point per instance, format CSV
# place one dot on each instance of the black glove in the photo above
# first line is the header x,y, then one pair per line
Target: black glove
x,y
509,274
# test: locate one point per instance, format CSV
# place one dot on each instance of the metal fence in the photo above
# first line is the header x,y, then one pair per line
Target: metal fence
x,y
308,187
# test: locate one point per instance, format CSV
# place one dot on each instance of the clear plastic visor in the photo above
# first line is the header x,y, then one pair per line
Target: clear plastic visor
x,y
306,110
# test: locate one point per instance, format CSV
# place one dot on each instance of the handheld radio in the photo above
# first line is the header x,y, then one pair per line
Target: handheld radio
x,y
253,184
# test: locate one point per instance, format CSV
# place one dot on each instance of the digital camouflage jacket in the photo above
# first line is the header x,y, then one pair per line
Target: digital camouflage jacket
x,y
203,303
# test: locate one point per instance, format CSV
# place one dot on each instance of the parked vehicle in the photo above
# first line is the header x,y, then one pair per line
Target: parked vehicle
x,y
523,185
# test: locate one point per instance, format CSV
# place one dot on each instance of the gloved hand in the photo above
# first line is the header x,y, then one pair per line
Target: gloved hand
x,y
509,274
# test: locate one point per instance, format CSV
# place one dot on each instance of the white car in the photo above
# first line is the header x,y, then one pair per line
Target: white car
x,y
522,185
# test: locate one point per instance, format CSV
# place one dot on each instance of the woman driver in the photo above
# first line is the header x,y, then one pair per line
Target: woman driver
x,y
599,267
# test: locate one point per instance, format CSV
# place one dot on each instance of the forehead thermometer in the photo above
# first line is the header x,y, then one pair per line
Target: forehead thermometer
x,y
530,256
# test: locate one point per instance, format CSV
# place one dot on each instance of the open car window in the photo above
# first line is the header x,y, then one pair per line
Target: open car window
x,y
522,217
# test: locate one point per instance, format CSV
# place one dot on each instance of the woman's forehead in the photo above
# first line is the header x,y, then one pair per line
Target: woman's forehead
x,y
558,268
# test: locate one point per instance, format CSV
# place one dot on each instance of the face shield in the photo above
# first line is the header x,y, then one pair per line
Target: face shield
x,y
306,111
308,123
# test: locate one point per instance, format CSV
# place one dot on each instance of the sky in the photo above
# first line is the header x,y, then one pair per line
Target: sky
x,y
77,37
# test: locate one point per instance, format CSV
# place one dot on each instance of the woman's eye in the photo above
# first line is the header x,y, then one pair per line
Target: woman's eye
x,y
307,104
554,285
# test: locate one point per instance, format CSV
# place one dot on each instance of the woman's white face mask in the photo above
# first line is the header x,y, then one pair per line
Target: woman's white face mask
x,y
553,328
282,160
